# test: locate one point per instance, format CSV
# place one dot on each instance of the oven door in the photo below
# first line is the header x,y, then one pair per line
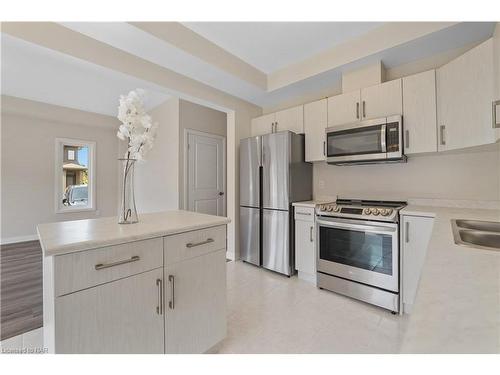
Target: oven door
x,y
358,250
364,141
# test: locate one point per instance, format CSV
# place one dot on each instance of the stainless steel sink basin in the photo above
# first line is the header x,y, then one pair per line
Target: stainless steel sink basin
x,y
488,226
477,234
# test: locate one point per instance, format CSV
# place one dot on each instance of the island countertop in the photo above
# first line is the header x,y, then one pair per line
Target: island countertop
x,y
78,235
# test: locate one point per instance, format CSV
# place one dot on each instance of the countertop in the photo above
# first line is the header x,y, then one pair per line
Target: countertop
x,y
311,204
71,236
457,307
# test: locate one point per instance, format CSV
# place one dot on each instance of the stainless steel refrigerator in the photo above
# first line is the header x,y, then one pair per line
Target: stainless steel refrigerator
x,y
273,175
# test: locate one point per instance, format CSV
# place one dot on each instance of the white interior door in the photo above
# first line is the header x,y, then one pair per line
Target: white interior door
x,y
205,173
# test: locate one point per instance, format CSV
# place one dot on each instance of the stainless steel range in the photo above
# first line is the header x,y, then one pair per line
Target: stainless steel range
x,y
358,250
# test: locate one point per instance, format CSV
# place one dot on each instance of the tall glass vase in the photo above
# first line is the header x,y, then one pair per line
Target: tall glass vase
x,y
128,211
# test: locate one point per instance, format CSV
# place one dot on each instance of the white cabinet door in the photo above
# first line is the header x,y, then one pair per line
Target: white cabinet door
x,y
464,95
382,100
315,123
117,317
344,108
419,113
262,125
290,119
415,239
305,259
195,303
496,62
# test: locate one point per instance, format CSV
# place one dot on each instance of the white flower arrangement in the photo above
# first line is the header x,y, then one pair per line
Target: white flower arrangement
x,y
137,127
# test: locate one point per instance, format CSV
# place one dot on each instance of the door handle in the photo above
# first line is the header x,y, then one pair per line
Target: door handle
x,y
442,130
171,303
159,285
364,109
324,148
407,138
357,110
407,232
311,229
221,193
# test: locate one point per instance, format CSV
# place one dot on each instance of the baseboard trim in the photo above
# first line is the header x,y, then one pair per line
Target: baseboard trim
x,y
9,240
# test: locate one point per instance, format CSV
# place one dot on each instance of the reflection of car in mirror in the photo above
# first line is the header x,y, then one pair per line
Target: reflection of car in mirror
x,y
76,195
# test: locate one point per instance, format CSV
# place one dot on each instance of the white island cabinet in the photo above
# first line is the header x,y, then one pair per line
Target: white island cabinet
x,y
158,286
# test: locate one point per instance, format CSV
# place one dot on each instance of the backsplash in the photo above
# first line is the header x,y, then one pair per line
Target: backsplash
x,y
466,176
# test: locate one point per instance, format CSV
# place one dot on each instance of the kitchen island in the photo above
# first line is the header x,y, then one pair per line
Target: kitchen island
x,y
158,286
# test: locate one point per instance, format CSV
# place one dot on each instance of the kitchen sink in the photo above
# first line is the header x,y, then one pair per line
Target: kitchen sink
x,y
477,234
488,226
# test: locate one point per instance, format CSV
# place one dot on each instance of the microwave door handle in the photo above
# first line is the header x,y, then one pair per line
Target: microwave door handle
x,y
383,143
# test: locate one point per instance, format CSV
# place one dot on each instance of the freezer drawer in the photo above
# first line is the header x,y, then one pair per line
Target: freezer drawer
x,y
250,235
276,250
250,162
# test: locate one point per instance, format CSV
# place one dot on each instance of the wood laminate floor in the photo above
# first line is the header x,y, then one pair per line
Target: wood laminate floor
x,y
21,301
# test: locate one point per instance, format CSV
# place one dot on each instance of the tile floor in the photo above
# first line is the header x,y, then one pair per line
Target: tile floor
x,y
270,313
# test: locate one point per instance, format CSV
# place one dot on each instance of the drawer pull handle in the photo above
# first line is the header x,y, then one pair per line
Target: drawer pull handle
x,y
304,213
171,303
208,240
101,266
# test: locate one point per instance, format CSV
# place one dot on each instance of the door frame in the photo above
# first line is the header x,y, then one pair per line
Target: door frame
x,y
185,189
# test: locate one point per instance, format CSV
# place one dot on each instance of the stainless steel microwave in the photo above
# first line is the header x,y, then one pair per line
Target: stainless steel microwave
x,y
372,141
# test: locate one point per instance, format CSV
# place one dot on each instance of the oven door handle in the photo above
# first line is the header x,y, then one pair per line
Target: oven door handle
x,y
358,227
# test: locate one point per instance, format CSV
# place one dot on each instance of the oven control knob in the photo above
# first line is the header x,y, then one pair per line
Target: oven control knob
x,y
336,208
367,211
375,211
329,208
322,207
384,212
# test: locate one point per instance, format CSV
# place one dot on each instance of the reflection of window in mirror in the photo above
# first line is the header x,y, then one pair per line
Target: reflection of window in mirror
x,y
75,177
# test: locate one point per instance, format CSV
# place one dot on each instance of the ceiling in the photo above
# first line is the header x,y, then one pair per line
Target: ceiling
x,y
40,74
245,60
270,46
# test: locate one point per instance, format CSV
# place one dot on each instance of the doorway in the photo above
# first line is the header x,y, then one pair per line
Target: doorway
x,y
205,172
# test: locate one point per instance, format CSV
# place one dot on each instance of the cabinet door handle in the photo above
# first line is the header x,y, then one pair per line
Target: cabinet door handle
x,y
407,232
191,244
311,229
407,138
324,148
171,303
159,285
357,110
496,124
102,266
272,127
364,109
442,130
276,127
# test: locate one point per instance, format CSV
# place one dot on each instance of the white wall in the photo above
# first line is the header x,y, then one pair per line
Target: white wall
x,y
157,178
28,132
469,175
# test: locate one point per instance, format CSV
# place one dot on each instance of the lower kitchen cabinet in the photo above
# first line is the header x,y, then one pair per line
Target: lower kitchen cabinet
x,y
195,303
416,233
116,317
305,243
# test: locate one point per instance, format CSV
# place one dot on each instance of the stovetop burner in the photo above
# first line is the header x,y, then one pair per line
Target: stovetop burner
x,y
362,209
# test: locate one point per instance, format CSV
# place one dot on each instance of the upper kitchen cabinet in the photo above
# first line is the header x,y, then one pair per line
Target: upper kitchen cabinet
x,y
382,100
371,102
465,92
262,125
315,122
419,113
344,108
496,62
290,119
